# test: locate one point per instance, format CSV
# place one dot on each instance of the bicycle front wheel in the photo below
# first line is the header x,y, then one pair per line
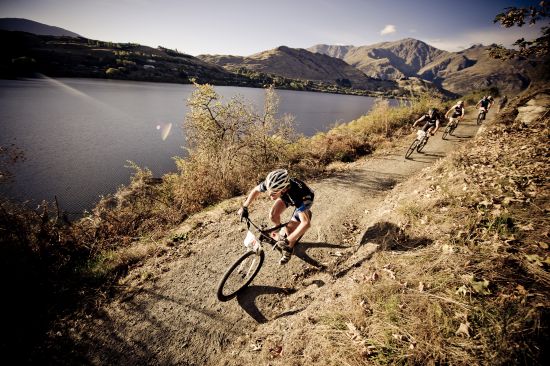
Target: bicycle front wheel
x,y
453,128
448,131
480,117
411,149
240,275
422,144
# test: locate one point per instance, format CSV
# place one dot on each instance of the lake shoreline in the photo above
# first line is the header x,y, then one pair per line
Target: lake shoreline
x,y
79,133
336,90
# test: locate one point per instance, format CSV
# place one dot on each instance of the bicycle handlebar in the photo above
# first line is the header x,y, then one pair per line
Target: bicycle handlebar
x,y
264,231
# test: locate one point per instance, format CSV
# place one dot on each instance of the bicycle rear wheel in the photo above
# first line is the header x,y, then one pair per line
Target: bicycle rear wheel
x,y
411,149
240,275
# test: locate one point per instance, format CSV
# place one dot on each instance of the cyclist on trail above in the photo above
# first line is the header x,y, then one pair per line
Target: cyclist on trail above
x,y
285,191
432,120
457,111
502,102
486,103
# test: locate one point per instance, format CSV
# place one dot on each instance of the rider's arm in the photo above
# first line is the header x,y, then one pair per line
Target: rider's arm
x,y
252,196
449,111
418,120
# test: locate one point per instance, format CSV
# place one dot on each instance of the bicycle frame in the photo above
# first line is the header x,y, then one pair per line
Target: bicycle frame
x,y
264,233
418,144
451,126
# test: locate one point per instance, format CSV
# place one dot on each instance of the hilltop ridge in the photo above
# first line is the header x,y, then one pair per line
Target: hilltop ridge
x,y
30,26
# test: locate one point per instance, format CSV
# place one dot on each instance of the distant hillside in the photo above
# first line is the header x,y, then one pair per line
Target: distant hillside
x,y
30,26
471,69
81,57
25,54
302,64
456,72
387,60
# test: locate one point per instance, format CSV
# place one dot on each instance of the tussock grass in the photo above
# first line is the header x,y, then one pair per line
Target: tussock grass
x,y
479,294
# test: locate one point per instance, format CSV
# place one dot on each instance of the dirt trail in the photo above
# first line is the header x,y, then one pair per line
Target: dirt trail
x,y
172,315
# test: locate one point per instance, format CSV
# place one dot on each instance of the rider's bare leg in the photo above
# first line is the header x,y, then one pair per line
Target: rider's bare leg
x,y
292,225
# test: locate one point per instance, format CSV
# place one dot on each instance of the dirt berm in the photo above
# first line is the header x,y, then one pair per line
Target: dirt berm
x,y
167,312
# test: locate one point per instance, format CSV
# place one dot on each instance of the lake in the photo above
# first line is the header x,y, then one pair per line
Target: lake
x,y
78,134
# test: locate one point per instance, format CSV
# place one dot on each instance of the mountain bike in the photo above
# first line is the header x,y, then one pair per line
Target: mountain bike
x,y
481,115
451,126
241,273
419,142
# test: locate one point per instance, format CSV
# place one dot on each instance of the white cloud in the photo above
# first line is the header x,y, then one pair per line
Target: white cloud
x,y
388,29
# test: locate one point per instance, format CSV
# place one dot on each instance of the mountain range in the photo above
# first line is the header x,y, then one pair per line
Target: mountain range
x,y
298,63
406,59
395,67
387,60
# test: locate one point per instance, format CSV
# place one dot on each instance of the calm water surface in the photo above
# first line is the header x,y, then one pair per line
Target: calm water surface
x,y
78,134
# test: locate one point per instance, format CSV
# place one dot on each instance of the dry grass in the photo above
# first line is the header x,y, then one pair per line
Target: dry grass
x,y
479,294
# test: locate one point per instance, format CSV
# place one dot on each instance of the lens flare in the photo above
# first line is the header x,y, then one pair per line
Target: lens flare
x,y
164,129
75,92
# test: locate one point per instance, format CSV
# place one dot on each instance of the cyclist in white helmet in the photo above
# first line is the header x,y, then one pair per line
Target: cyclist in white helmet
x,y
285,191
456,112
486,103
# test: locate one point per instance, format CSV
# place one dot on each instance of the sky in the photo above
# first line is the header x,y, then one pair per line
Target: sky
x,y
245,27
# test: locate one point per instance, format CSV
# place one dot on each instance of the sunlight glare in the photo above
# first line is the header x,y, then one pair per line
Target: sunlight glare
x,y
165,129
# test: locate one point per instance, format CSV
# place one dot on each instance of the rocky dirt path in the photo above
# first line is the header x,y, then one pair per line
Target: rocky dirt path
x,y
169,313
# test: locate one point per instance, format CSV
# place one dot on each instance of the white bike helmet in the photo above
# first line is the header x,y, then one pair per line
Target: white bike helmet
x,y
277,180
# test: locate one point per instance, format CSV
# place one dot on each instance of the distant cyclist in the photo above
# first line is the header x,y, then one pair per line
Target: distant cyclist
x,y
502,102
456,112
431,121
486,103
285,191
